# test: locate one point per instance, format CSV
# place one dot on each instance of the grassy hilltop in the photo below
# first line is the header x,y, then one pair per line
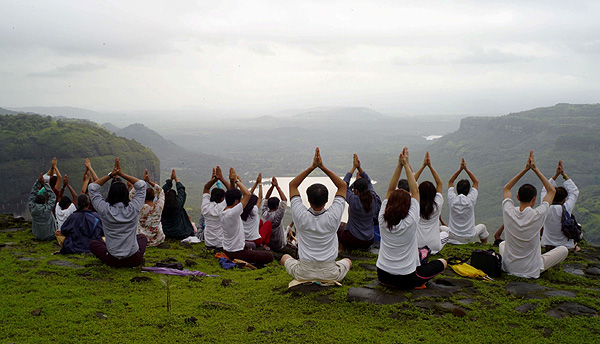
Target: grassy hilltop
x,y
71,299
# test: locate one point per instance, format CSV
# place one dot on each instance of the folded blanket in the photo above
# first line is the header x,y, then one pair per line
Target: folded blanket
x,y
169,271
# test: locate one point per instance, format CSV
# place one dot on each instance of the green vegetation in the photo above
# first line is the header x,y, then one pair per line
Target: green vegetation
x,y
30,141
96,303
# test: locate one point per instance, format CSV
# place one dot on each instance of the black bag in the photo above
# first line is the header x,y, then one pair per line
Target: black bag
x,y
487,261
569,226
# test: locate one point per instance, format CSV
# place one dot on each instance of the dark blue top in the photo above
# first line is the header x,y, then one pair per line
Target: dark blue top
x,y
80,229
360,223
177,227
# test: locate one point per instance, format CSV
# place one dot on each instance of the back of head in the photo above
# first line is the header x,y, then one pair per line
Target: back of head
x,y
526,193
273,203
40,199
65,202
463,187
247,213
397,207
403,185
170,208
217,195
317,195
231,196
427,192
361,186
83,202
149,194
118,193
53,181
560,196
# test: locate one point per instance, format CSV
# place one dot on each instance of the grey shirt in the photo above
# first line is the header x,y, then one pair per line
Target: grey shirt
x,y
278,235
119,221
43,224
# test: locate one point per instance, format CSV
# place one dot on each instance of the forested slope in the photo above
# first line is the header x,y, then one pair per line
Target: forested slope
x,y
30,141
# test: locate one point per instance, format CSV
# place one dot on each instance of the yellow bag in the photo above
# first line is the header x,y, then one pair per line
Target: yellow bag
x,y
466,270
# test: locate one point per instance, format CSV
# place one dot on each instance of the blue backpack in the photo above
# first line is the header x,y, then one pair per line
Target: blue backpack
x,y
570,227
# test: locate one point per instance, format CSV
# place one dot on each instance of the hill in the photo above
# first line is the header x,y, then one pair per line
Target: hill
x,y
496,148
30,141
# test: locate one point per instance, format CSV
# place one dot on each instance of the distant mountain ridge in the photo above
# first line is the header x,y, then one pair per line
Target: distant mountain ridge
x,y
496,148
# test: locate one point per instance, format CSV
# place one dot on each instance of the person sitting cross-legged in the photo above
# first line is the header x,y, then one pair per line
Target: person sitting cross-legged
x,y
363,207
521,253
119,215
176,223
316,229
234,244
150,215
41,203
213,204
461,200
80,228
65,206
565,196
398,263
429,233
273,210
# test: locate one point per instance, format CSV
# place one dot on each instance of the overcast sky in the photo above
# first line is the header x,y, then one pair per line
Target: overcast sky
x,y
472,57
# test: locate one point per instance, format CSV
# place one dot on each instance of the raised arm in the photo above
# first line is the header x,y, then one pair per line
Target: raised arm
x,y
506,193
57,172
245,192
232,178
422,168
395,177
71,190
472,176
439,185
279,191
455,175
85,182
550,190
88,167
258,181
337,181
410,176
39,183
210,183
219,175
295,183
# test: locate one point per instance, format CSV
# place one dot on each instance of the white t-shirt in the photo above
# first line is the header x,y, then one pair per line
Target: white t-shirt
x,y
553,234
233,230
461,222
212,212
429,230
317,231
62,215
522,255
398,251
251,225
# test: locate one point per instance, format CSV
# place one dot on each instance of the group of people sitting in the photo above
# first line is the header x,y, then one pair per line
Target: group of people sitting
x,y
247,227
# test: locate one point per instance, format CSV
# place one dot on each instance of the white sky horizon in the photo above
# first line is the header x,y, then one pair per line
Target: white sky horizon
x,y
260,57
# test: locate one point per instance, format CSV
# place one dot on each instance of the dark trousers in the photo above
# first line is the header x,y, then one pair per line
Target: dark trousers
x,y
251,256
98,248
350,241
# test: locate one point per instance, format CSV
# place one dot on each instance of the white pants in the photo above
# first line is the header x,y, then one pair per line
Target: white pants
x,y
549,259
481,233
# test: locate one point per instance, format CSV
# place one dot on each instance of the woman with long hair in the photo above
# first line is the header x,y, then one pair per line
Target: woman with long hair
x,y
175,221
398,263
119,215
151,212
429,233
363,207
255,231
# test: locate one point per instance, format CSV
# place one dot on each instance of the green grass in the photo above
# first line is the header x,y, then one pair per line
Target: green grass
x,y
73,302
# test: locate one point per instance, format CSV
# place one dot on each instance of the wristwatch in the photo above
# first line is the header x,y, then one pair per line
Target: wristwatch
x,y
110,174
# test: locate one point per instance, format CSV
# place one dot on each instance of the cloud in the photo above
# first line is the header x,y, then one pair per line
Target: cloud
x,y
68,70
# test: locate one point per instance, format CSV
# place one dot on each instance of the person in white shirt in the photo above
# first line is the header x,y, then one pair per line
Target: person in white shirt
x,y
398,263
431,202
566,196
212,210
316,229
461,223
521,253
65,206
234,245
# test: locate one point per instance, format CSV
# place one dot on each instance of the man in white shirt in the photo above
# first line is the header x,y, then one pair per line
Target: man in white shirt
x,y
461,200
212,208
521,253
566,196
233,229
316,229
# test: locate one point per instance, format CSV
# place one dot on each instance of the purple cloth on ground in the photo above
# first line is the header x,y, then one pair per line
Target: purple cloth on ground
x,y
170,271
